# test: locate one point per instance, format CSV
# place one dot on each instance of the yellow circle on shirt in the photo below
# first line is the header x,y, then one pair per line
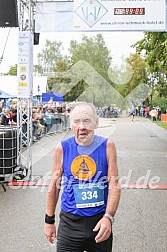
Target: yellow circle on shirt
x,y
83,167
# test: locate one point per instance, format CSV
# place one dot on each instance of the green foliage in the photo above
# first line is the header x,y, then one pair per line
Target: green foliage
x,y
49,56
161,102
139,74
162,124
57,82
154,49
38,69
75,92
94,51
99,84
12,70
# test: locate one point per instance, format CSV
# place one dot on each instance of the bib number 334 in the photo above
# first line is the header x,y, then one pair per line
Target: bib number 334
x,y
88,195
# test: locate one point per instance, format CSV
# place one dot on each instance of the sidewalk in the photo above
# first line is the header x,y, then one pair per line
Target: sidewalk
x,y
140,224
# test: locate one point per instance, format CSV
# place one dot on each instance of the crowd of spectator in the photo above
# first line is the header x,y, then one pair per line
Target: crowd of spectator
x,y
46,116
43,116
8,116
108,112
154,113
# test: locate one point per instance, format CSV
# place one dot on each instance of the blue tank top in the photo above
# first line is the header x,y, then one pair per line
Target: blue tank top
x,y
85,182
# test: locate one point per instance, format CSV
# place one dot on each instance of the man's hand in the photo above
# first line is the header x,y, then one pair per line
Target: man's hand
x,y
50,232
104,227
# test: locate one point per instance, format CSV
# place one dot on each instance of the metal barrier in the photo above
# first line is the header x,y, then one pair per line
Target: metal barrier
x,y
56,123
8,151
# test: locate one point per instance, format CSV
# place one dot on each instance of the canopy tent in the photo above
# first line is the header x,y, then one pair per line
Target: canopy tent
x,y
4,95
56,97
14,100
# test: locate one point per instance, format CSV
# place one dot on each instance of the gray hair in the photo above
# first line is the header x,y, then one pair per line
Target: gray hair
x,y
81,104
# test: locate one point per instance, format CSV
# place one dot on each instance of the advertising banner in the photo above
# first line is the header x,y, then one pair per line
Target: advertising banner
x,y
25,64
101,15
136,15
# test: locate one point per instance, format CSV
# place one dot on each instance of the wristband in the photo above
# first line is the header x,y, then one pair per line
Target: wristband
x,y
50,219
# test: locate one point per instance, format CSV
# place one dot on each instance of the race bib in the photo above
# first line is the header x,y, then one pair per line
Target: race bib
x,y
89,195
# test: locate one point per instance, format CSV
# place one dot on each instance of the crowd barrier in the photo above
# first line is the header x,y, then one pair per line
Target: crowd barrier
x,y
8,142
8,151
56,123
164,117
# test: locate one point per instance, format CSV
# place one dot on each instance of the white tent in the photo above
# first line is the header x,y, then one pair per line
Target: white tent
x,y
9,84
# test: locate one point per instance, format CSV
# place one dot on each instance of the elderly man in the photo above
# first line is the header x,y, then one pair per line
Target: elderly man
x,y
87,165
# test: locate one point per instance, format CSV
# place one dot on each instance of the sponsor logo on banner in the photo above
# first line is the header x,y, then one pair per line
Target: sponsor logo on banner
x,y
23,84
23,69
23,77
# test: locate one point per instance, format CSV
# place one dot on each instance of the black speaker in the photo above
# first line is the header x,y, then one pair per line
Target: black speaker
x,y
8,13
36,38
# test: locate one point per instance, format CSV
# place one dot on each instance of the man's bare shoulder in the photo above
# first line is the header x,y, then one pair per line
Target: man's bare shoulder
x,y
110,144
59,148
58,156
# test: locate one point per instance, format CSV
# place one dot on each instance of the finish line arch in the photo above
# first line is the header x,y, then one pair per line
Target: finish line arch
x,y
76,15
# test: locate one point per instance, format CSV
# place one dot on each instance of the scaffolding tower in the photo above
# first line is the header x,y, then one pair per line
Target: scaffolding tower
x,y
26,10
26,16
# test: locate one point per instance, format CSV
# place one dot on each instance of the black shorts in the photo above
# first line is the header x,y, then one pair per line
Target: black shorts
x,y
75,234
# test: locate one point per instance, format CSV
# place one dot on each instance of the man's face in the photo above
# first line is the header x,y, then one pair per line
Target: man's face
x,y
83,123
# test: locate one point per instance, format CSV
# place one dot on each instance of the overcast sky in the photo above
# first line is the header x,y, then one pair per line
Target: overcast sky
x,y
118,43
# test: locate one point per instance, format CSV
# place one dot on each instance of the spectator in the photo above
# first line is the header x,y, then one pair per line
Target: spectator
x,y
6,117
1,121
147,111
0,108
159,113
13,117
153,114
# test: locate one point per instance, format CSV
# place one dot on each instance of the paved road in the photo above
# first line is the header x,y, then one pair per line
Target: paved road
x,y
141,220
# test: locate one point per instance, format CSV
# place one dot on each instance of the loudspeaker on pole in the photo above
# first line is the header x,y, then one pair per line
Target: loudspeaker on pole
x,y
8,13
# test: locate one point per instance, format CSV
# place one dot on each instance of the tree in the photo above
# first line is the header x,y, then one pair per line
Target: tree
x,y
12,70
91,50
57,82
140,71
131,79
160,102
48,57
154,49
94,51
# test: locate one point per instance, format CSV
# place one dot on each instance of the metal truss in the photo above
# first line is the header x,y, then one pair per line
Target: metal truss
x,y
26,12
24,105
24,136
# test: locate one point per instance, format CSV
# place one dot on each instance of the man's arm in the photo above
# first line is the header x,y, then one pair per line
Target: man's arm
x,y
104,225
113,177
53,192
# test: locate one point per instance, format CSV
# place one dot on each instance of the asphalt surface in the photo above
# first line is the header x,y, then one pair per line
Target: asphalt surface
x,y
141,219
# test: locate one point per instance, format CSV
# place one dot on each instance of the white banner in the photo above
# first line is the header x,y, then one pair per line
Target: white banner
x,y
98,15
101,15
24,68
54,17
